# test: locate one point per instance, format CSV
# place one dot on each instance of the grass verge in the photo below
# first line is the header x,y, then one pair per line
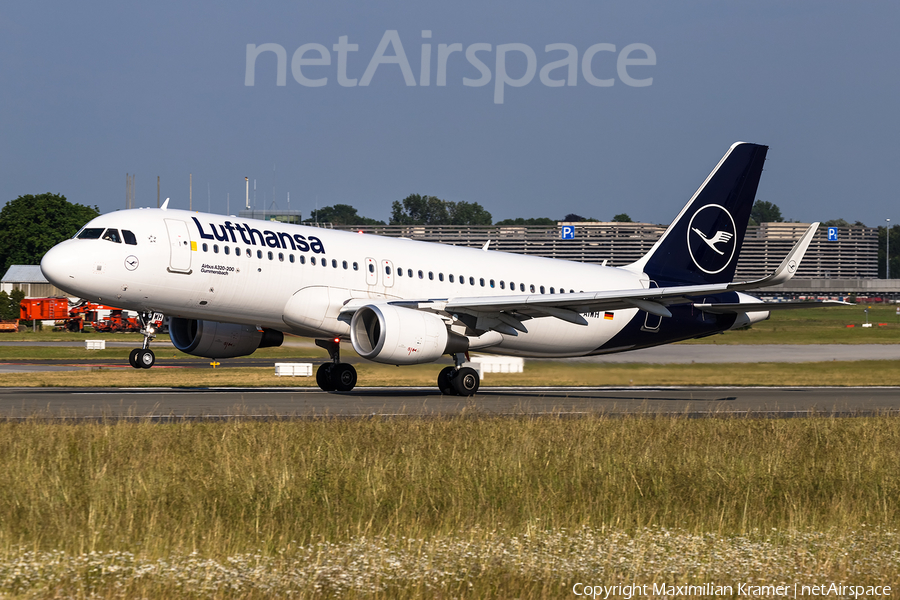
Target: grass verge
x,y
856,373
444,507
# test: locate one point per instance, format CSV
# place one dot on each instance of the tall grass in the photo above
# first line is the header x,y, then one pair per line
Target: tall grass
x,y
221,488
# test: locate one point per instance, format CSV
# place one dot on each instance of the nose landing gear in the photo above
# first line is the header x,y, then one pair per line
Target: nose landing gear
x,y
335,376
143,357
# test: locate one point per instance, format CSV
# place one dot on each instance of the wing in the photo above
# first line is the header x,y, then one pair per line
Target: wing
x,y
506,313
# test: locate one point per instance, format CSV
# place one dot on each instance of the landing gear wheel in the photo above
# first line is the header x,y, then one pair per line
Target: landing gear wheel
x,y
343,377
323,377
445,381
466,381
132,358
146,358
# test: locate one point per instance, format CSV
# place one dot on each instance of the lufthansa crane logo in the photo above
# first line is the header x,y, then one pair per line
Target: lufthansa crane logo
x,y
710,238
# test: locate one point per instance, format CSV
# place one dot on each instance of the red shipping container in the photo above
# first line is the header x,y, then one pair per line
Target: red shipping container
x,y
44,308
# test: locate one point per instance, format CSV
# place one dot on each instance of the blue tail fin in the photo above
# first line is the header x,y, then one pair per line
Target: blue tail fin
x,y
703,243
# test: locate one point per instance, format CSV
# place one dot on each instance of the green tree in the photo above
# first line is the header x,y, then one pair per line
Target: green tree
x,y
573,218
340,214
9,304
520,222
468,213
31,225
416,209
765,212
622,218
842,223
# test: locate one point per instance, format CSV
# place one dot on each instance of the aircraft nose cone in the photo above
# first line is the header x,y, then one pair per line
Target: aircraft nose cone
x,y
59,266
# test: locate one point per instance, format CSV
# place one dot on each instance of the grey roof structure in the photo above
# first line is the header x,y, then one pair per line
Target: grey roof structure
x,y
24,274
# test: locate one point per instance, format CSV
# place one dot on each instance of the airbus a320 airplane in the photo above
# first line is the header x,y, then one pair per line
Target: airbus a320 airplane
x,y
233,285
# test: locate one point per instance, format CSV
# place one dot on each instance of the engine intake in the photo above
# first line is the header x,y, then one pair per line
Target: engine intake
x,y
211,339
401,336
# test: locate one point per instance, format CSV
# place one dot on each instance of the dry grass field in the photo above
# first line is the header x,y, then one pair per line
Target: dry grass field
x,y
461,507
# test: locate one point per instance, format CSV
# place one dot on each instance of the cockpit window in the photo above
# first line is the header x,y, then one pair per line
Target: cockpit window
x,y
112,235
90,233
129,238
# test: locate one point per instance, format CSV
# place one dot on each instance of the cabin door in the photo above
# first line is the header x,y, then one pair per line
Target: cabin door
x,y
179,246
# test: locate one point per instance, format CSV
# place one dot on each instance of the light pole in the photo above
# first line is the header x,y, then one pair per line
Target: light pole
x,y
887,250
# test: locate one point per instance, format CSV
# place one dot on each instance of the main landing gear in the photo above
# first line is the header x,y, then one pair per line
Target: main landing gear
x,y
335,376
458,381
143,357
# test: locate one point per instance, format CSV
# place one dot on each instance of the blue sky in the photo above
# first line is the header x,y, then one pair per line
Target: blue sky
x,y
93,91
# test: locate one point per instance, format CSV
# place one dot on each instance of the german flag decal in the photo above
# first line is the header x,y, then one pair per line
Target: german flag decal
x,y
608,316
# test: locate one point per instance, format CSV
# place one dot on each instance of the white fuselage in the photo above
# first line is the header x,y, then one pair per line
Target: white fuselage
x,y
296,278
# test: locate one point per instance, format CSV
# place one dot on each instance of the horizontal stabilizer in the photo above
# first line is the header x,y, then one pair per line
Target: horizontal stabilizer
x,y
739,307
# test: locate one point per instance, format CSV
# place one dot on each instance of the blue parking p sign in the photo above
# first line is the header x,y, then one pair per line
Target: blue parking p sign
x,y
568,232
832,234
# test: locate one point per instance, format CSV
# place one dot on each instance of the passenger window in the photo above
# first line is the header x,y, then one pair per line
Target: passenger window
x,y
112,235
344,264
512,286
542,289
205,247
356,266
259,254
227,250
492,283
129,238
440,276
532,288
409,272
325,262
90,234
281,257
450,277
216,248
371,268
481,281
291,257
312,260
430,276
421,275
237,251
271,256
502,285
522,287
302,260
387,270
472,281
551,291
333,264
462,280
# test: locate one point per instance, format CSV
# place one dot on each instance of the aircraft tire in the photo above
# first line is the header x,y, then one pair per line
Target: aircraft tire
x,y
445,383
343,377
146,358
323,377
132,358
466,381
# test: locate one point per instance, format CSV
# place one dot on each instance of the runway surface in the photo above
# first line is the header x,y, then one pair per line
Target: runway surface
x,y
161,403
671,354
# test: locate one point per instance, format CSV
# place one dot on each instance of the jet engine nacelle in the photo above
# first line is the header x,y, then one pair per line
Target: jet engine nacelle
x,y
401,336
212,339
